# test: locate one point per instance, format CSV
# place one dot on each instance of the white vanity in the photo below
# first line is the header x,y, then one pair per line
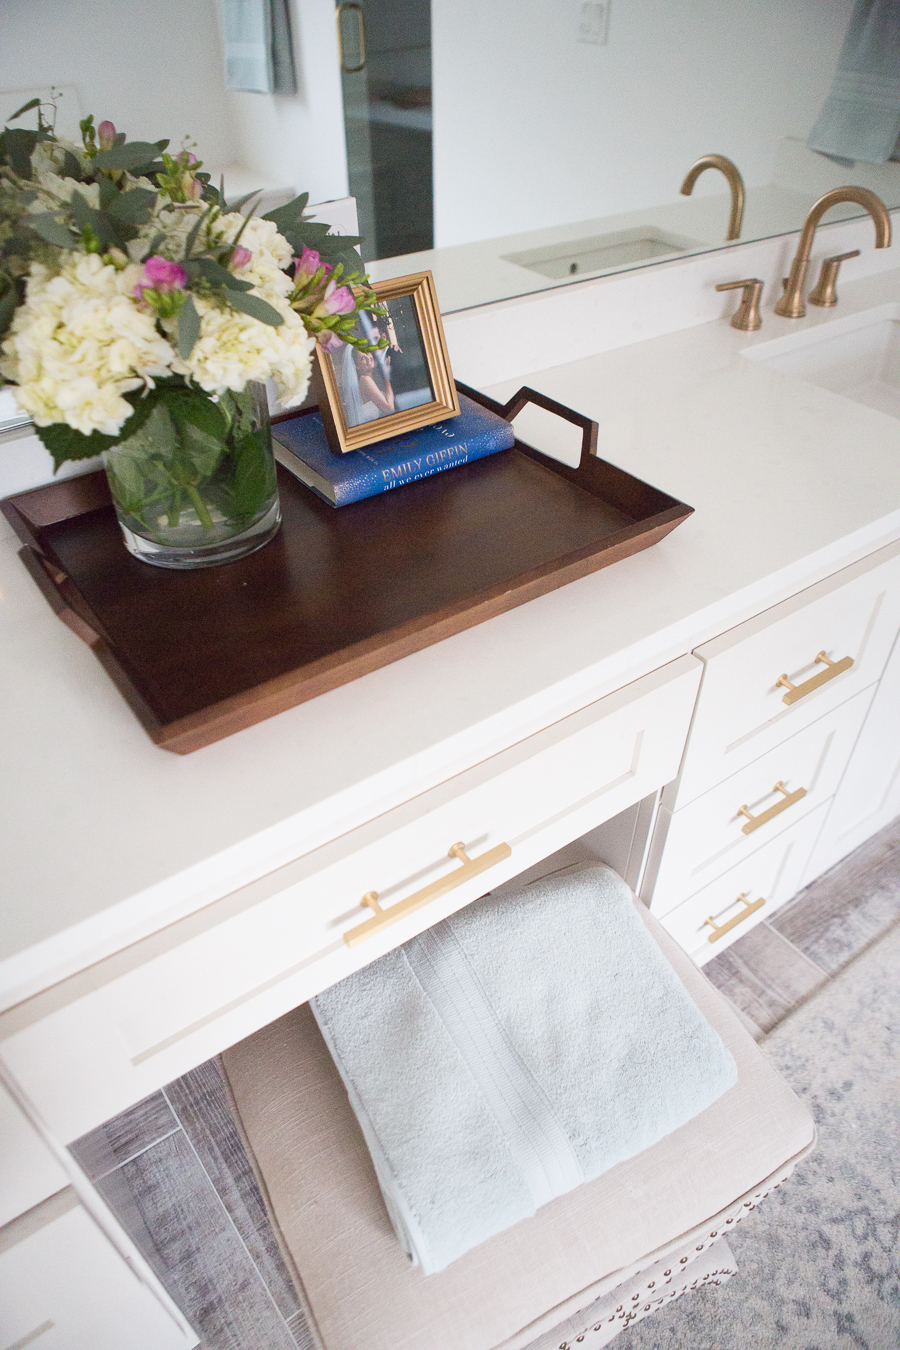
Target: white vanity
x,y
734,691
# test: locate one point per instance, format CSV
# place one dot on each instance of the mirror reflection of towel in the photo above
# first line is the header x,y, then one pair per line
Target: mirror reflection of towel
x,y
861,116
259,55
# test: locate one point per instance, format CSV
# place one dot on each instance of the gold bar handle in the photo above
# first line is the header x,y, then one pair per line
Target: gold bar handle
x,y
754,822
383,918
719,930
833,668
347,7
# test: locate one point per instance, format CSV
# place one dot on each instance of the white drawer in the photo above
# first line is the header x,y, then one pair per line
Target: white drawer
x,y
63,1286
115,1033
773,874
741,712
712,833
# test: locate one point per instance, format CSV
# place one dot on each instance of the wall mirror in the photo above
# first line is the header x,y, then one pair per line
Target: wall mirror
x,y
508,147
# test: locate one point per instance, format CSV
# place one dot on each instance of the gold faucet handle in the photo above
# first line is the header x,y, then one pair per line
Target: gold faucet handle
x,y
747,316
825,292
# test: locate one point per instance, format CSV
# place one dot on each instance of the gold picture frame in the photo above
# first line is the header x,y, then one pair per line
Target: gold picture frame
x,y
344,434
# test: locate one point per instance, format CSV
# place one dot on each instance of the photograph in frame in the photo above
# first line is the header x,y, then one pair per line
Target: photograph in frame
x,y
364,397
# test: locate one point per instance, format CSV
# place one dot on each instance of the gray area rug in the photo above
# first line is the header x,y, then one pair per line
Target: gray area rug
x,y
819,1262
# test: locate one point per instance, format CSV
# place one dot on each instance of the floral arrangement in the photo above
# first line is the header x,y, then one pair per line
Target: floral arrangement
x,y
126,283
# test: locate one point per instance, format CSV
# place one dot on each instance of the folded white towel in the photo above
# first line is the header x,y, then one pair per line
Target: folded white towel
x,y
524,1045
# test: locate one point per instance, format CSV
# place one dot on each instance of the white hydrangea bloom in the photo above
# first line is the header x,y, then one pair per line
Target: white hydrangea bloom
x,y
233,348
80,342
270,251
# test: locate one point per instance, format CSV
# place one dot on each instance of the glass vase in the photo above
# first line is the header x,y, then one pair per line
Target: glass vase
x,y
195,485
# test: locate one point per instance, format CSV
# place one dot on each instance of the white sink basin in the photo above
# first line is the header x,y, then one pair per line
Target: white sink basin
x,y
858,356
583,257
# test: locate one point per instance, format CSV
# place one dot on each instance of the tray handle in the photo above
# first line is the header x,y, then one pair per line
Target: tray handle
x,y
527,395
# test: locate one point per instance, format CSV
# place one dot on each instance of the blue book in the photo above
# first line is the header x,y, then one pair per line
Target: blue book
x,y
301,446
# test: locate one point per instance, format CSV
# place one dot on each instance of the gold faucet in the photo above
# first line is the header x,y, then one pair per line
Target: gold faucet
x,y
735,182
791,304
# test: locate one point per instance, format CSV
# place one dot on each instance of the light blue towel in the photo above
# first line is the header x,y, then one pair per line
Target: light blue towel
x,y
861,116
520,1047
259,55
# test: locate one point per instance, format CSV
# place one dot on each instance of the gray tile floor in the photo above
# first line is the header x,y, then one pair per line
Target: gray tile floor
x,y
174,1171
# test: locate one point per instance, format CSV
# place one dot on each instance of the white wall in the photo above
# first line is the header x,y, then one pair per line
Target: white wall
x,y
299,141
154,67
533,128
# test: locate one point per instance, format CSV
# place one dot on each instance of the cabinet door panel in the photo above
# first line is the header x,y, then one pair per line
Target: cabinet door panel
x,y
63,1286
868,797
741,713
712,833
28,1170
772,874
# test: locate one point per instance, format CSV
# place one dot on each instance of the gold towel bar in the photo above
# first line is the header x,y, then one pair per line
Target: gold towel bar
x,y
383,918
798,691
754,822
719,930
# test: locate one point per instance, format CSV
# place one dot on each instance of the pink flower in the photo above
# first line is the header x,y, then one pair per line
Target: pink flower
x,y
106,135
160,275
240,256
308,264
194,191
337,300
328,341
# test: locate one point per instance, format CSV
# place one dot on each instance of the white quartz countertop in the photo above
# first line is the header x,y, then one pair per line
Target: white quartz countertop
x,y
108,838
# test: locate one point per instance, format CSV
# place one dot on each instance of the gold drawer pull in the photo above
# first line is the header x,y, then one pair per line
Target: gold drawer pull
x,y
383,918
719,930
754,822
797,691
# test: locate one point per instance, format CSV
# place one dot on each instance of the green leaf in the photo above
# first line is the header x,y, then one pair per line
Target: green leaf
x,y
198,410
64,442
256,308
71,167
252,478
50,228
289,215
218,275
108,192
26,107
129,155
7,308
133,207
197,226
86,217
188,328
19,145
242,201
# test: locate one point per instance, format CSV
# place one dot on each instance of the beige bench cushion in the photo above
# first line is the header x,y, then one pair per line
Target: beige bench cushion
x,y
362,1293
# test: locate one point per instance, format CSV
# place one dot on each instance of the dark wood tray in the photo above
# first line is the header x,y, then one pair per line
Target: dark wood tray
x,y
338,592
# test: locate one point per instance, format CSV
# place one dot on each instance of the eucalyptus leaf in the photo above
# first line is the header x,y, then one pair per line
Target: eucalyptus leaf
x,y
50,228
26,107
256,308
290,214
8,302
188,328
71,166
133,207
218,275
19,145
128,155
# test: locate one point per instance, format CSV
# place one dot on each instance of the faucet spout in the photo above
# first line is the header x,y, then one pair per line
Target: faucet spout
x,y
735,182
791,305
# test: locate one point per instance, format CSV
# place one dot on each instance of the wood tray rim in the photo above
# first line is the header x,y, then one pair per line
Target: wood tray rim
x,y
291,687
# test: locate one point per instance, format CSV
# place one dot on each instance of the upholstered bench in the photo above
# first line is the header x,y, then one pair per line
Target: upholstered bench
x,y
658,1210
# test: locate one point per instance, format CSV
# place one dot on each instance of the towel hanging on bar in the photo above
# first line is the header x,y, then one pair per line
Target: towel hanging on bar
x,y
861,116
259,55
